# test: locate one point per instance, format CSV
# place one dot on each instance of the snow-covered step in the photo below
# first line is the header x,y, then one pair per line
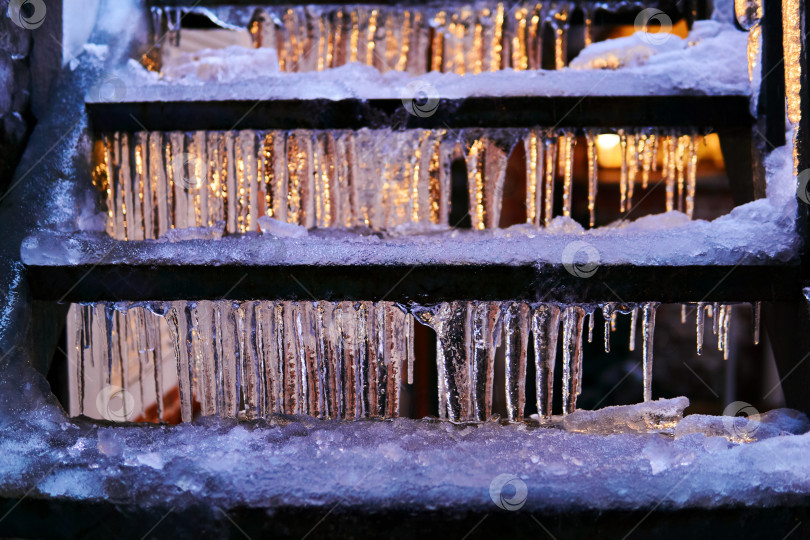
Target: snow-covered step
x,y
745,256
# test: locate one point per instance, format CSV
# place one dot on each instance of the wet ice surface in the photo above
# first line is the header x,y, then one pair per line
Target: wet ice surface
x,y
385,464
712,60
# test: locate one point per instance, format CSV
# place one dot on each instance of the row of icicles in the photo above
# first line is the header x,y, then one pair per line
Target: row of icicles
x,y
377,179
486,36
342,360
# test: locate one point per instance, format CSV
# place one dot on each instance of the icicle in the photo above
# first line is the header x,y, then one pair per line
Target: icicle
x,y
534,177
649,330
486,171
549,151
568,141
607,314
716,316
484,317
722,322
348,344
670,157
632,168
75,330
591,315
593,166
449,320
205,370
699,319
560,26
395,352
174,17
545,325
180,329
252,388
793,38
682,157
516,336
757,318
683,313
647,158
572,319
633,319
409,329
691,175
623,179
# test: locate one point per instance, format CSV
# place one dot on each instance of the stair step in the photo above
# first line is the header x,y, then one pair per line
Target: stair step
x,y
657,265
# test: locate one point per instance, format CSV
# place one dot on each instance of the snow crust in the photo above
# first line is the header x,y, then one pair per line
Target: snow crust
x,y
416,464
710,61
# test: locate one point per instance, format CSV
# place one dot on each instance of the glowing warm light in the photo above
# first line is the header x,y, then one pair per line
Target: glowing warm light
x,y
609,151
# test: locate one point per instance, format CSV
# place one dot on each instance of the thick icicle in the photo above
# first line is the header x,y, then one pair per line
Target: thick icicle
x,y
180,329
449,320
533,146
793,38
545,325
699,323
516,338
649,310
573,318
484,318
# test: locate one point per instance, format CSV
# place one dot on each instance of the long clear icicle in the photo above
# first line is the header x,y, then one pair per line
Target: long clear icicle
x,y
593,167
648,323
573,318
